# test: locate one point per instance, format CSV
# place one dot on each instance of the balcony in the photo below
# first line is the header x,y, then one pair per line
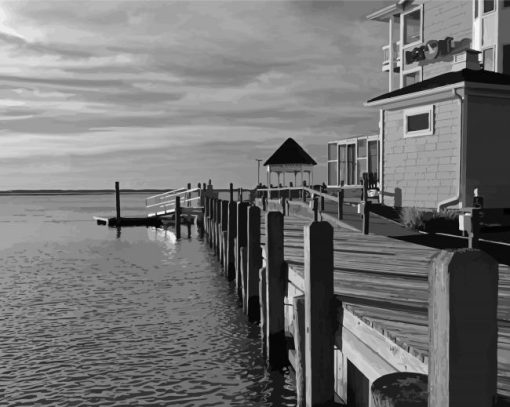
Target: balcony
x,y
396,57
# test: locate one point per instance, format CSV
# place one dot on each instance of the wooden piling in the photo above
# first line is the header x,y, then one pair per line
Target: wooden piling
x,y
231,192
254,262
319,315
223,229
474,232
231,234
242,219
463,298
299,346
322,190
217,227
211,206
213,223
365,210
178,217
275,291
263,308
400,389
117,202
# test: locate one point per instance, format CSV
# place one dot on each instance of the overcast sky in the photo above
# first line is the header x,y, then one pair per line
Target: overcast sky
x,y
159,93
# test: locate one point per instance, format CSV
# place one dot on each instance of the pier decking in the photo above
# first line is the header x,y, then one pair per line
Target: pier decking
x,y
384,283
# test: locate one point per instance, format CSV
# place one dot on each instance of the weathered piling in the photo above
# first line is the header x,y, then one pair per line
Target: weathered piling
x,y
275,291
299,346
117,202
231,192
242,218
177,215
214,216
263,307
400,389
463,327
231,234
319,315
254,262
223,230
217,227
206,215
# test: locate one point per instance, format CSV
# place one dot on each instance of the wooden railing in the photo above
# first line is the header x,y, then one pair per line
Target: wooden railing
x,y
164,204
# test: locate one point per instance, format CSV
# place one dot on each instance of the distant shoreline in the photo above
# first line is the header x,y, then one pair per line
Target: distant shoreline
x,y
80,192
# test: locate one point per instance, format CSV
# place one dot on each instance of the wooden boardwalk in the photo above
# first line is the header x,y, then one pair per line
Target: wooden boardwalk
x,y
384,282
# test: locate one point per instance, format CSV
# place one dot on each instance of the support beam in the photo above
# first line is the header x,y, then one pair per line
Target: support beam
x,y
319,314
178,217
463,301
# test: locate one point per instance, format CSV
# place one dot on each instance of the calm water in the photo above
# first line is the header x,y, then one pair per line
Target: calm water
x,y
91,318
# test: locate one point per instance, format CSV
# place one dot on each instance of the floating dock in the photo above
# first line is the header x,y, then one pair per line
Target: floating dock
x,y
138,221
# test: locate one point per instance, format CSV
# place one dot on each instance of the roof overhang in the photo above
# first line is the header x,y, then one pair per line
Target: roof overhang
x,y
289,167
385,13
440,93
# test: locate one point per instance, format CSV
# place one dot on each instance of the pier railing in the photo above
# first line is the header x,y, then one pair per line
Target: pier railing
x,y
165,203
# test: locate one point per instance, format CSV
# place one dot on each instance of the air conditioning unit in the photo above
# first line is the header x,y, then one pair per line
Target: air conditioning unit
x,y
467,59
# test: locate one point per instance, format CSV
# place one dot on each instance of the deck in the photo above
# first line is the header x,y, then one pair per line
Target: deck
x,y
384,282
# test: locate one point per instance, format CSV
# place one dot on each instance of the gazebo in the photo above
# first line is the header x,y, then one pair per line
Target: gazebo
x,y
290,158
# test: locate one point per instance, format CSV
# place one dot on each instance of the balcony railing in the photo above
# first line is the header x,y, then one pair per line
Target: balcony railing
x,y
386,57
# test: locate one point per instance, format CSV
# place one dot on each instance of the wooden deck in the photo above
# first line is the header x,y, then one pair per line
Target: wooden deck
x,y
384,282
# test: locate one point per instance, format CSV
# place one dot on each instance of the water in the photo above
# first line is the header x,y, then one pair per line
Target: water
x,y
92,318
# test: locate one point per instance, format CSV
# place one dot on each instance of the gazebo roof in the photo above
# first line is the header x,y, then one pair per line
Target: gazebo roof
x,y
290,152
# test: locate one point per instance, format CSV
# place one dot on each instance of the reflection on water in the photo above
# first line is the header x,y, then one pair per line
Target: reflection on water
x,y
88,319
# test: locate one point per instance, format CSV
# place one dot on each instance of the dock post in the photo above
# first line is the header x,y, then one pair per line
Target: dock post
x,y
254,264
240,195
206,214
223,229
231,192
178,217
275,289
242,219
365,222
299,346
322,197
217,227
474,232
213,223
319,315
263,308
340,208
117,202
231,234
463,336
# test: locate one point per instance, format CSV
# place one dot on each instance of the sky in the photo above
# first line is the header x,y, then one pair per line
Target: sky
x,y
156,94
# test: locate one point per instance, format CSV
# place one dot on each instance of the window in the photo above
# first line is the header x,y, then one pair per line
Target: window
x,y
476,8
412,26
488,59
373,161
419,121
412,77
488,6
332,163
342,163
362,158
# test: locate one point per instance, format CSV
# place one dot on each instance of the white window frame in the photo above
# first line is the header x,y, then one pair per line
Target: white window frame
x,y
486,13
402,21
495,66
337,161
412,70
415,111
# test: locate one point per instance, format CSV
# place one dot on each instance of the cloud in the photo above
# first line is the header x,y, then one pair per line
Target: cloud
x,y
203,85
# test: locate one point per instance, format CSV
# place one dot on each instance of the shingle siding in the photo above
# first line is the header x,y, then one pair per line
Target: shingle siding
x,y
424,168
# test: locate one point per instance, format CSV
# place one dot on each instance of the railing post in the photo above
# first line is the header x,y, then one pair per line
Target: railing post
x,y
319,313
474,232
322,198
315,202
240,195
275,289
341,201
117,202
365,206
231,234
463,337
178,217
231,198
242,212
303,194
188,195
254,264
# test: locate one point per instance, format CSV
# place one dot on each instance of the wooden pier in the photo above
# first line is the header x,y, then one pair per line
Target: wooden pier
x,y
363,312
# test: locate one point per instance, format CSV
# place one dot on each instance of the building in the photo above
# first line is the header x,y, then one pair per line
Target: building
x,y
444,122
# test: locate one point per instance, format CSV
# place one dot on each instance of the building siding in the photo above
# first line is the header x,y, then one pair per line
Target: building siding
x,y
487,150
421,170
443,19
